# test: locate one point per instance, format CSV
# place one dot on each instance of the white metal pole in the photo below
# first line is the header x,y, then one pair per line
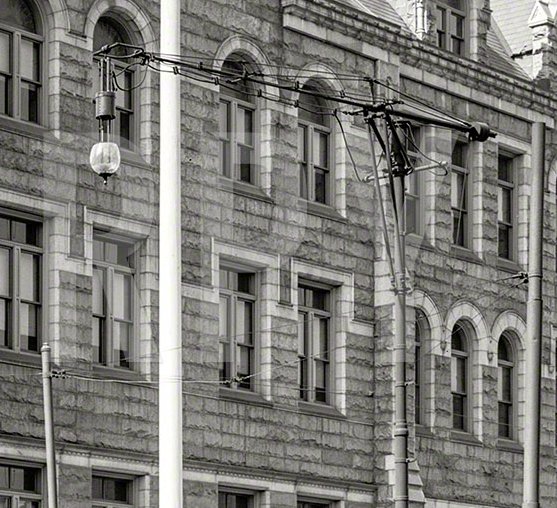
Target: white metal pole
x,y
534,324
170,329
49,428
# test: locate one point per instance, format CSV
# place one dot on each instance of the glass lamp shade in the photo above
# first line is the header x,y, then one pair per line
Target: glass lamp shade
x,y
105,159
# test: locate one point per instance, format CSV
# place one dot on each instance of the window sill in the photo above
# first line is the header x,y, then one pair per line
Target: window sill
x,y
243,396
507,265
509,445
465,254
320,210
244,189
20,359
133,158
115,373
319,409
32,130
460,436
420,241
423,431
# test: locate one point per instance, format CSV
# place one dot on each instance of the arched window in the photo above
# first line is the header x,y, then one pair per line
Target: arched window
x,y
314,146
237,120
505,386
108,31
420,335
459,376
20,61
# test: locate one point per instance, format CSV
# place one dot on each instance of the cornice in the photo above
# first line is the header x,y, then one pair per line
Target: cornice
x,y
368,32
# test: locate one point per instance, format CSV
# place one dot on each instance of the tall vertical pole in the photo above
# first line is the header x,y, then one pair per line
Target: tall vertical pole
x,y
170,329
401,425
49,428
534,323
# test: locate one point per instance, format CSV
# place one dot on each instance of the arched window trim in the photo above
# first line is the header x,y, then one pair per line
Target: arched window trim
x,y
464,391
14,74
127,101
238,144
315,164
510,402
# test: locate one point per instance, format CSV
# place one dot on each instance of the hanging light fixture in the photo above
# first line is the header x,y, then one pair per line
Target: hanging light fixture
x,y
105,155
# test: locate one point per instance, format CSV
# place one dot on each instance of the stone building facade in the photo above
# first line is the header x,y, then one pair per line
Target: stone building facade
x,y
287,298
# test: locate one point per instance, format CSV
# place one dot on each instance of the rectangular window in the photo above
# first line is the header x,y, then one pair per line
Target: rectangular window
x,y
459,194
20,284
413,184
505,403
20,486
314,337
237,316
112,492
236,500
459,389
450,25
314,162
505,207
113,301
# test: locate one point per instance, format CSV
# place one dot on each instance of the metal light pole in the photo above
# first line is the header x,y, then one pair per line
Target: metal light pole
x,y
534,324
170,294
49,428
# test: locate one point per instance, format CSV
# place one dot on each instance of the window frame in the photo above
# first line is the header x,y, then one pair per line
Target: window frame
x,y
512,403
232,491
16,250
233,296
16,34
107,503
420,336
227,96
108,270
134,111
510,186
414,184
16,495
313,314
445,33
466,355
463,207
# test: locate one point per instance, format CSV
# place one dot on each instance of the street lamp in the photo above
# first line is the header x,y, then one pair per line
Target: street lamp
x,y
105,155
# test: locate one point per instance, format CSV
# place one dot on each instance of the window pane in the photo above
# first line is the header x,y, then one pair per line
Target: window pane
x,y
411,215
225,157
504,205
29,104
4,320
460,228
122,297
302,333
244,322
4,272
5,52
504,242
4,477
4,228
504,169
223,362
302,149
321,378
246,164
121,344
457,25
303,181
505,420
29,60
29,284
99,346
244,363
244,127
28,322
98,292
458,190
458,156
224,119
320,186
223,317
459,415
320,149
323,338
245,283
125,129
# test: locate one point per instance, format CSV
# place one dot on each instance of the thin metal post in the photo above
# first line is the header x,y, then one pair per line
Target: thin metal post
x,y
170,295
401,496
49,428
534,323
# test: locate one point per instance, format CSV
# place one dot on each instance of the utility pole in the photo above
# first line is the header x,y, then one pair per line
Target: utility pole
x,y
170,279
49,428
531,489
